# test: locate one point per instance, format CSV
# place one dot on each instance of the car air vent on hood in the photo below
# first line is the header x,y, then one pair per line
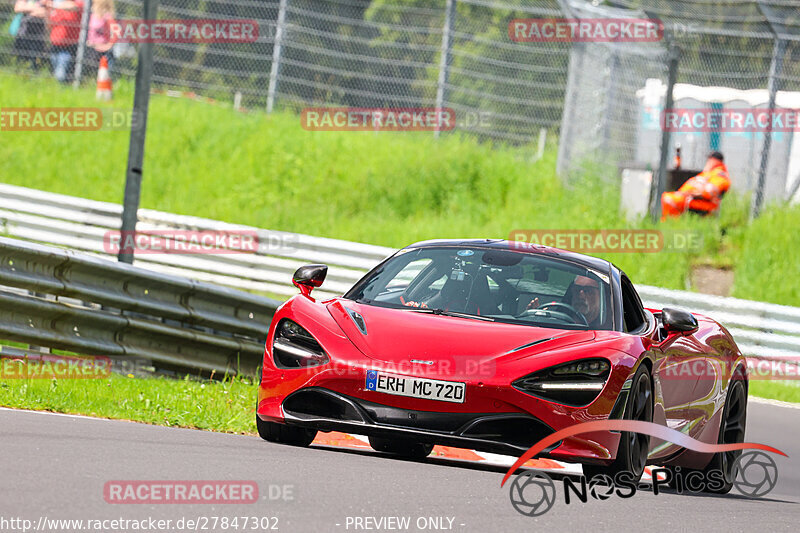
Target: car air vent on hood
x,y
528,345
358,320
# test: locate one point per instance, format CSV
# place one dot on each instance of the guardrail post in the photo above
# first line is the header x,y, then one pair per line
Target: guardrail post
x,y
141,101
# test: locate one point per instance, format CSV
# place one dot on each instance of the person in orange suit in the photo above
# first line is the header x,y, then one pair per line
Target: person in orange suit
x,y
701,194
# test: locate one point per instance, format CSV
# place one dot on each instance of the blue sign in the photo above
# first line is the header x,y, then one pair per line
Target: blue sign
x,y
372,380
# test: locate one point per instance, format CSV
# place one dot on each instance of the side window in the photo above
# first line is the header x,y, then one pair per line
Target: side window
x,y
632,311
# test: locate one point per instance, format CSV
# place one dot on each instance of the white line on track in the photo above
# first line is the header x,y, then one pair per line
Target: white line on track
x,y
776,403
85,417
58,414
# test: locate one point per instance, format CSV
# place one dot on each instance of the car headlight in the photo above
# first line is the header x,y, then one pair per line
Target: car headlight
x,y
294,347
576,384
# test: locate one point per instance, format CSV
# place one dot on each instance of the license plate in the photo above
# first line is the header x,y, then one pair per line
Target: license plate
x,y
429,389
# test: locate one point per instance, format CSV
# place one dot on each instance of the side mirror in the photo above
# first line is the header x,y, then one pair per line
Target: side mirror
x,y
309,277
678,321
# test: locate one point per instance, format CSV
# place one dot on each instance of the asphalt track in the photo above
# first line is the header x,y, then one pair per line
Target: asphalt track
x,y
56,466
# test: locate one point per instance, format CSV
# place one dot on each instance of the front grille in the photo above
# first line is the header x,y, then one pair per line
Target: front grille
x,y
520,431
320,403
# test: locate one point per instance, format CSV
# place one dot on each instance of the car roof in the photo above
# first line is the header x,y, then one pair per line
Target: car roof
x,y
522,247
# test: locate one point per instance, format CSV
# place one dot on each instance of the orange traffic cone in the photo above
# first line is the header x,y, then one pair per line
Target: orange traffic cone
x,y
104,90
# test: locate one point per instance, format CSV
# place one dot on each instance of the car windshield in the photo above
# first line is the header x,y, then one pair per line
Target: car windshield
x,y
502,285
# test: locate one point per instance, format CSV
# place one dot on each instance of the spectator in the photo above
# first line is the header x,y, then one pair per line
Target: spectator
x,y
98,40
65,29
29,44
701,194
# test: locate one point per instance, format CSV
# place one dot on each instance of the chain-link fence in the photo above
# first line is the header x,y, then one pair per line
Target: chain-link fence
x,y
733,54
381,53
601,100
601,103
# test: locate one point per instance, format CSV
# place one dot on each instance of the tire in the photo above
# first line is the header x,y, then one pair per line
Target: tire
x,y
401,447
284,434
731,430
633,447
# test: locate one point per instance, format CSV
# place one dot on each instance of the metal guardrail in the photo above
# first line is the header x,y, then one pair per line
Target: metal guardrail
x,y
90,305
80,224
762,330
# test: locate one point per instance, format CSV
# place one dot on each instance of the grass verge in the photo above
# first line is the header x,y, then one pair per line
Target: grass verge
x,y
785,391
382,188
225,406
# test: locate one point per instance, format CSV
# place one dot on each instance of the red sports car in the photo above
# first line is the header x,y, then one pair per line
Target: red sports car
x,y
492,345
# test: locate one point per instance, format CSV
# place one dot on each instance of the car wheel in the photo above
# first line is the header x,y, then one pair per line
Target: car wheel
x,y
633,447
284,434
402,447
732,427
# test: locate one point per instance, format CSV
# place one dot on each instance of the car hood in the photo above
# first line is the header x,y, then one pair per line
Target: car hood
x,y
399,335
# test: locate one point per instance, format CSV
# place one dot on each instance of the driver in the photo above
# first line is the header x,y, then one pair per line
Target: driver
x,y
584,296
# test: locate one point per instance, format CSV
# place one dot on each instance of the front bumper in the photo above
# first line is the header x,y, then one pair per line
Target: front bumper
x,y
326,410
496,419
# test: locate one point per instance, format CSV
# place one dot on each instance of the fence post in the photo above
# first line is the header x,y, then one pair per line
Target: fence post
x,y
444,59
276,55
542,143
793,190
661,174
775,69
574,74
77,73
611,97
141,101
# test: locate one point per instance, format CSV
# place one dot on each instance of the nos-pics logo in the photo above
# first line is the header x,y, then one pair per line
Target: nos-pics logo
x,y
753,473
534,493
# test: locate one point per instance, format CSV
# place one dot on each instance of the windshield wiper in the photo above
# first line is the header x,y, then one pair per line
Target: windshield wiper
x,y
442,312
